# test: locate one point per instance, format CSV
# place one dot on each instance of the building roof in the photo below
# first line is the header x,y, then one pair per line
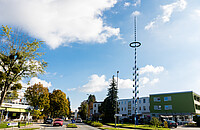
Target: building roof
x,y
172,93
132,98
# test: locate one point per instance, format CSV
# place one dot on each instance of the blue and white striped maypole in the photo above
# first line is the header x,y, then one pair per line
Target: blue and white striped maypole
x,y
135,44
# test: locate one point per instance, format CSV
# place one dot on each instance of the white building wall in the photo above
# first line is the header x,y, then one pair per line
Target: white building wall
x,y
96,107
126,107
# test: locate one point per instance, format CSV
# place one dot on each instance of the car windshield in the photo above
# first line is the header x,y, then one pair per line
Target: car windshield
x,y
171,121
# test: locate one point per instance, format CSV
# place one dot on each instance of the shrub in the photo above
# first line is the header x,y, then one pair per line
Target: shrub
x,y
88,122
196,118
71,126
155,122
96,124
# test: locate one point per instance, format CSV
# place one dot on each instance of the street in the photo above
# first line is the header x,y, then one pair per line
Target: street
x,y
81,126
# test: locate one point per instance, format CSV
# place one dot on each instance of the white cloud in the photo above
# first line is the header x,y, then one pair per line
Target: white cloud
x,y
95,84
151,69
137,2
168,9
71,89
144,80
154,81
149,26
136,13
125,83
35,80
126,4
59,22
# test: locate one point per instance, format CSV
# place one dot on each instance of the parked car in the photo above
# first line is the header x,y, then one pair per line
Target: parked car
x,y
48,121
172,124
58,122
79,120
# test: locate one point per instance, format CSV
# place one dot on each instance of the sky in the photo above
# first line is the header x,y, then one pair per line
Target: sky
x,y
86,43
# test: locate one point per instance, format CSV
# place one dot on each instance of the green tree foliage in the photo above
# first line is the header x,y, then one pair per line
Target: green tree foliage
x,y
91,100
59,105
69,105
83,109
107,109
36,114
38,97
19,58
155,122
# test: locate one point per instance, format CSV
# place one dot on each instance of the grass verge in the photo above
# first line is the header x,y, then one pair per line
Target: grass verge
x,y
71,126
148,127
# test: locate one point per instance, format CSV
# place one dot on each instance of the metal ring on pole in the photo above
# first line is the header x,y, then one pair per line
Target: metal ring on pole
x,y
135,44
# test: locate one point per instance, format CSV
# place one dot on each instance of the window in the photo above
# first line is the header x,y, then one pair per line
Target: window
x,y
139,101
168,107
133,101
167,98
157,99
144,101
122,108
125,102
157,107
125,108
94,105
133,108
144,108
94,111
129,112
129,104
122,102
119,103
139,108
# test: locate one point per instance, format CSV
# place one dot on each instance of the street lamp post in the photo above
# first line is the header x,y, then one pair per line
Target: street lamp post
x,y
87,109
116,102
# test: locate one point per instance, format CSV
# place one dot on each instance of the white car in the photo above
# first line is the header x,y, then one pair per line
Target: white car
x,y
79,120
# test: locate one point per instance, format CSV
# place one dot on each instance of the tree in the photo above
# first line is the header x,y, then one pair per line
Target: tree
x,y
83,109
59,104
91,100
36,114
155,122
108,107
38,97
69,105
19,58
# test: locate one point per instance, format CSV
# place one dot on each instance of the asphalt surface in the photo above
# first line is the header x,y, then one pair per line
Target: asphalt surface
x,y
81,126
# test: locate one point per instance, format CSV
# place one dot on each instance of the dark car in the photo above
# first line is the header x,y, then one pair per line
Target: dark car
x,y
58,122
172,124
48,121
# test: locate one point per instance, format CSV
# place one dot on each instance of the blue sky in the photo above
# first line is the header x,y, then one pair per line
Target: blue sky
x,y
88,42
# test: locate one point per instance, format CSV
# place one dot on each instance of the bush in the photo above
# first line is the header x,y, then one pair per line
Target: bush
x,y
71,126
196,118
155,122
88,122
96,124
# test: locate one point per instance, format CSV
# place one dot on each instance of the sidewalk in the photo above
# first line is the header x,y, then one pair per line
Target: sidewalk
x,y
34,125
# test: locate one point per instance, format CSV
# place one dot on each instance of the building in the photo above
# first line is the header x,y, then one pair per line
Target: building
x,y
17,109
178,106
126,108
95,111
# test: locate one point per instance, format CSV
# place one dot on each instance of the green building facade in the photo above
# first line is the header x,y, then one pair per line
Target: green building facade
x,y
178,106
